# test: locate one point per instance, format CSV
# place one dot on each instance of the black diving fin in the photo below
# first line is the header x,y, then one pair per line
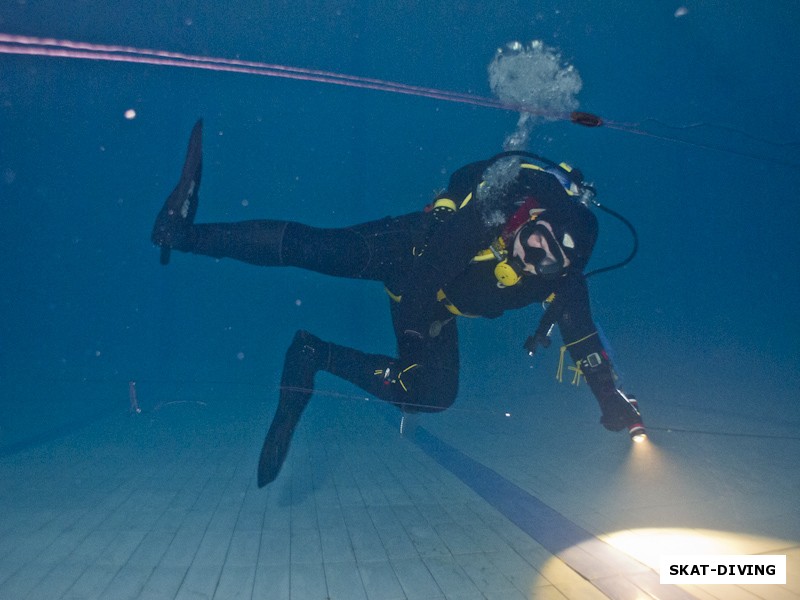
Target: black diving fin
x,y
179,210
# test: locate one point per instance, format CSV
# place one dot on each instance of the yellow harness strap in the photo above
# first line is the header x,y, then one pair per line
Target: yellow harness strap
x,y
576,380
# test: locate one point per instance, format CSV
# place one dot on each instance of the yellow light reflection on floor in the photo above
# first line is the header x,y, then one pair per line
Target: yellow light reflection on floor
x,y
648,545
645,463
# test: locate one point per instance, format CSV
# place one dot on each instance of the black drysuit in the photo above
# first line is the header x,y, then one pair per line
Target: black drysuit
x,y
425,263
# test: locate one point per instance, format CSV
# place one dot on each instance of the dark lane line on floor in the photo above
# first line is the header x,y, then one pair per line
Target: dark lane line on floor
x,y
610,570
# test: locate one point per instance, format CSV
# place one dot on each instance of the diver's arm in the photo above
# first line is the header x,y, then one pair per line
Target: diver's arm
x,y
583,342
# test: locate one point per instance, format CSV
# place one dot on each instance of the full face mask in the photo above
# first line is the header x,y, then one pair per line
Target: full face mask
x,y
547,264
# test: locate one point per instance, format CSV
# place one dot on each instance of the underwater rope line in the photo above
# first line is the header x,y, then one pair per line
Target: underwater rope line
x,y
761,436
51,47
26,45
637,130
349,397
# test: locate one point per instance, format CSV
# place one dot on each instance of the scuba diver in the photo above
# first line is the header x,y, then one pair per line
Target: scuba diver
x,y
507,232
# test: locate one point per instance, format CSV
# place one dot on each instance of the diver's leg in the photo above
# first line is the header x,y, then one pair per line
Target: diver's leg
x,y
417,384
425,383
422,380
377,250
374,250
341,252
255,242
344,252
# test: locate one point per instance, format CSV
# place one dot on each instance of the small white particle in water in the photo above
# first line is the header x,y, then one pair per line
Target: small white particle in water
x,y
508,414
245,202
240,355
130,114
681,12
298,302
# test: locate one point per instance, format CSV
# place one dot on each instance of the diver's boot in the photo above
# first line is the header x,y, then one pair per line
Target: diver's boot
x,y
306,355
173,224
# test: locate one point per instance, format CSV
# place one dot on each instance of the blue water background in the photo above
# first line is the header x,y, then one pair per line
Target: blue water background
x,y
705,316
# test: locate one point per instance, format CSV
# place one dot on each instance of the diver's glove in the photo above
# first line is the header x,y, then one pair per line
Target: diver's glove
x,y
620,411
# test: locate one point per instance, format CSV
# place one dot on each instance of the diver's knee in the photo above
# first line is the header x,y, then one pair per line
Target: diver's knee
x,y
417,387
429,398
